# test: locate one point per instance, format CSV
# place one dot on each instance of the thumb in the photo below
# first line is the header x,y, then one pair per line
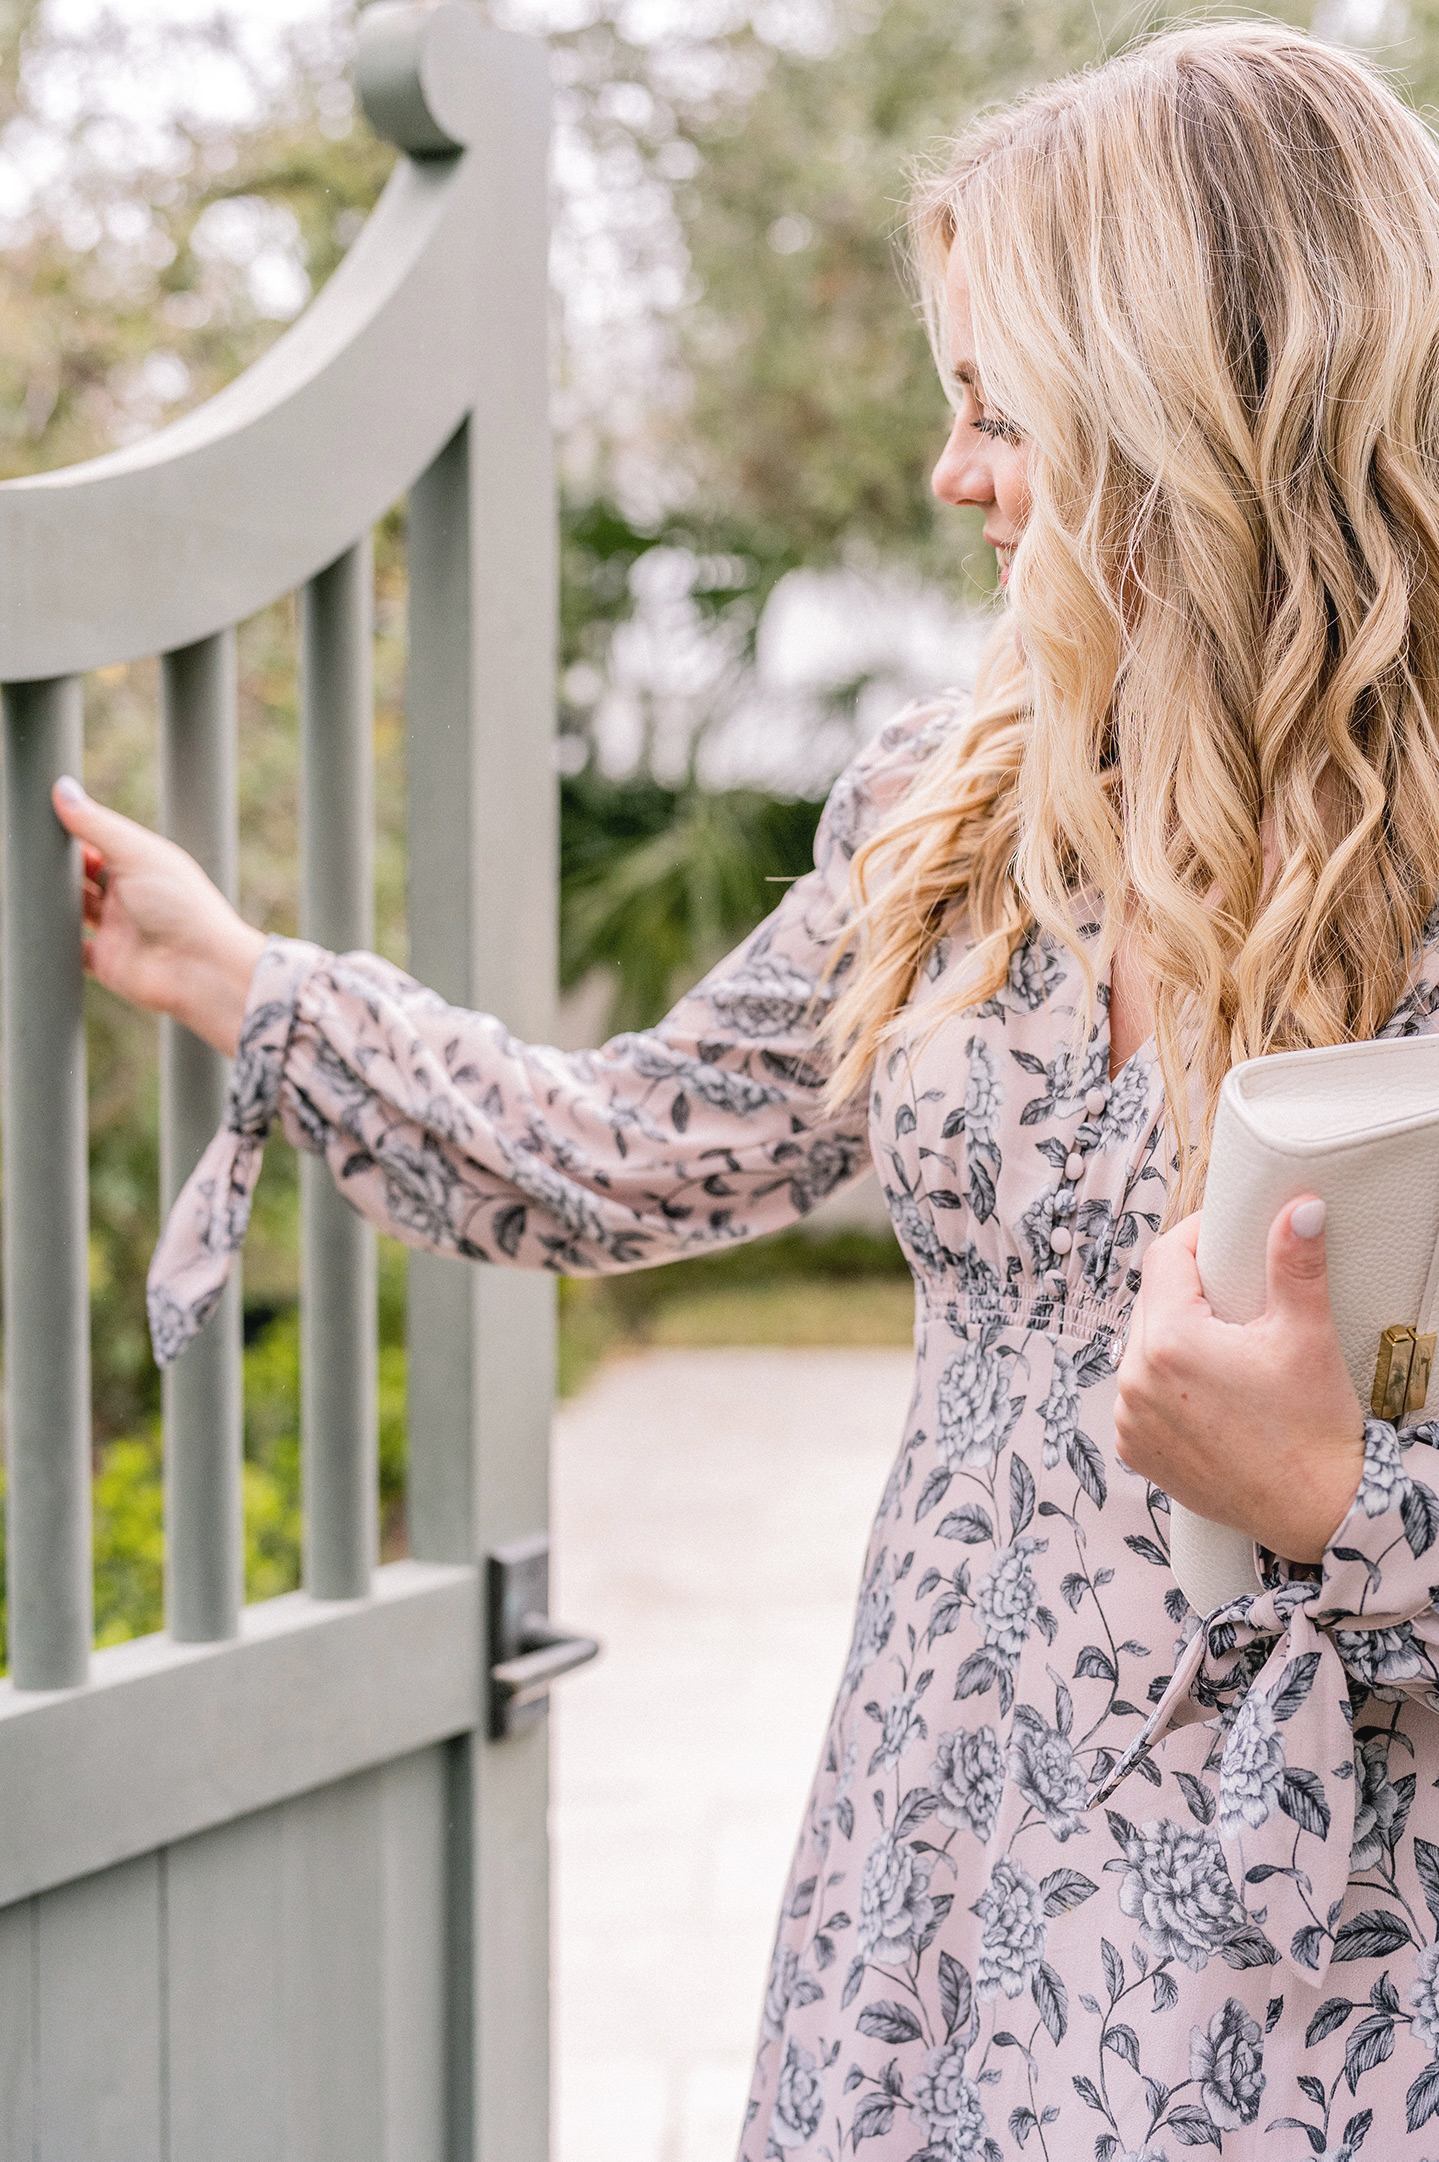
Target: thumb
x,y
1297,1266
119,839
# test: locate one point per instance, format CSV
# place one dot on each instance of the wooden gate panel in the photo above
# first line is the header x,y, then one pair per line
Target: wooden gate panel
x,y
270,1991
269,1892
417,1903
306,1960
224,1906
97,2005
17,2086
333,1951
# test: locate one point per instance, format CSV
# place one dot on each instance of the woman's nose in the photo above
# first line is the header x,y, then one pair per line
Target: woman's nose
x,y
962,475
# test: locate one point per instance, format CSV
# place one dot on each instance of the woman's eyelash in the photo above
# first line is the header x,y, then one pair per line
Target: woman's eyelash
x,y
1005,430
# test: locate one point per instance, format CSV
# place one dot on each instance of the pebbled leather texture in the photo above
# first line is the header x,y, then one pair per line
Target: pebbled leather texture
x,y
1357,1124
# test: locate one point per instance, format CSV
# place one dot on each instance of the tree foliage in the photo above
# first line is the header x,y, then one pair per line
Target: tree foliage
x,y
660,883
813,413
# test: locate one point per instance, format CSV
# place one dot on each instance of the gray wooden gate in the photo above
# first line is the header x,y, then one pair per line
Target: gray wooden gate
x,y
268,1893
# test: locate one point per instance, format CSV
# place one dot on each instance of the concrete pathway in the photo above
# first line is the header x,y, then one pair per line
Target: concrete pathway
x,y
710,1512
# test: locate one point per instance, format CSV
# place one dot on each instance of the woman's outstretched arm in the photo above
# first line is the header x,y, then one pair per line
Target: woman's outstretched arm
x,y
449,1133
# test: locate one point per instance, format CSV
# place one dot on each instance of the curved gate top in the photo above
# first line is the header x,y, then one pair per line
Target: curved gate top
x,y
268,1890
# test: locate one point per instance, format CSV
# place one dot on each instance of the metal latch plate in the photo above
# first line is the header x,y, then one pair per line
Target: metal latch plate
x,y
528,1652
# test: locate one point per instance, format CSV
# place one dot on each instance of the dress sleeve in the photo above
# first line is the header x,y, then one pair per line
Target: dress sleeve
x,y
1281,1674
449,1134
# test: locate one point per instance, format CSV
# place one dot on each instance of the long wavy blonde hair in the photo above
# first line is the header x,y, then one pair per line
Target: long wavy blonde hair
x,y
1205,286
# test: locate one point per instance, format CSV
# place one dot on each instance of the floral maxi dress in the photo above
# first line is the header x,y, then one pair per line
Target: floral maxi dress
x,y
1078,1874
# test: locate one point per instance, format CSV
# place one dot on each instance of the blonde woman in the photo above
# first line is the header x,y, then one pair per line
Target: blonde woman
x,y
1188,305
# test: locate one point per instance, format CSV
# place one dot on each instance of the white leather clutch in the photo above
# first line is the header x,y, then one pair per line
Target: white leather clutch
x,y
1358,1125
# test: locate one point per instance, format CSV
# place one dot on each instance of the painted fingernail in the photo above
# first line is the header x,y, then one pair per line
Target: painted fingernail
x,y
1307,1220
68,787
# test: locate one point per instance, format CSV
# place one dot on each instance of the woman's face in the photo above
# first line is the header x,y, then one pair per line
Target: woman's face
x,y
985,461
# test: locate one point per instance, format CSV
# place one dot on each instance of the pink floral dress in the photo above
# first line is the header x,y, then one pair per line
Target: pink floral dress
x,y
1078,1873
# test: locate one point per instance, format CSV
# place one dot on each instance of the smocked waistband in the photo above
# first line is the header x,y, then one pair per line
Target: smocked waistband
x,y
1033,1309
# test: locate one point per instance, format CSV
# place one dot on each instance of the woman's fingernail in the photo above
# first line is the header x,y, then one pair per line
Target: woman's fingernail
x,y
1307,1220
68,787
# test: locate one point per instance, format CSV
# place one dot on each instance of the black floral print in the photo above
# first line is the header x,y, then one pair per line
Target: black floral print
x,y
1081,1873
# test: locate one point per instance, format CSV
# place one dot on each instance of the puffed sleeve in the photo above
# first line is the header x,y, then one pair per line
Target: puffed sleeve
x,y
1279,1672
448,1133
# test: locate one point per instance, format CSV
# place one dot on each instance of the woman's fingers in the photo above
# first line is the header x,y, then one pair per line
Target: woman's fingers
x,y
159,932
1170,1274
1256,1426
109,837
1297,1268
1186,1232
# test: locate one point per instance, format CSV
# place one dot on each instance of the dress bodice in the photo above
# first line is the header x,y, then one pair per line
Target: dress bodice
x,y
1022,1182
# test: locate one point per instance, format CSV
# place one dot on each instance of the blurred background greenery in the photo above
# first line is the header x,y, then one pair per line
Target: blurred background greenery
x,y
743,401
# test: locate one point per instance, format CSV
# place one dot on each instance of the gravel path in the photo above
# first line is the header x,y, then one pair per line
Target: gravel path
x,y
710,1514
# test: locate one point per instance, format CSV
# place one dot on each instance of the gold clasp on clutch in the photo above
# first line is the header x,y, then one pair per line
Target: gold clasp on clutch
x,y
1401,1377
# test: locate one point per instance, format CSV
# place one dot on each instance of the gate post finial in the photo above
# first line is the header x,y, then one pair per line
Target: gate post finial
x,y
416,68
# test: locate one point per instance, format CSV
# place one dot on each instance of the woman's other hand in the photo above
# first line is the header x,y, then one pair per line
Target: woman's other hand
x,y
1258,1426
160,934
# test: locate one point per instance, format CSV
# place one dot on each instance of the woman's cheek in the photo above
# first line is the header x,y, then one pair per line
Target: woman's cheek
x,y
1012,486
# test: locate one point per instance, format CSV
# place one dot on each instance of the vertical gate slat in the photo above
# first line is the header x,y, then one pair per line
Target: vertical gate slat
x,y
202,1391
331,1991
440,1327
338,1340
99,1983
47,1320
482,887
414,1793
17,2022
225,1967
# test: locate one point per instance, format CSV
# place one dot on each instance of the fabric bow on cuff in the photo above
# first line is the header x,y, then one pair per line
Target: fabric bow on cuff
x,y
1277,1666
206,1227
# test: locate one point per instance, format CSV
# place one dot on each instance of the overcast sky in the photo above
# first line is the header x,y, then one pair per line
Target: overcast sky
x,y
260,14
207,91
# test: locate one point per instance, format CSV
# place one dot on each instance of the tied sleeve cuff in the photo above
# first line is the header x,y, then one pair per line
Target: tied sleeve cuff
x,y
1284,1669
206,1227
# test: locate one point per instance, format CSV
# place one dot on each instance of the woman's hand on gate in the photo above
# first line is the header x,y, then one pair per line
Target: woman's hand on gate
x,y
1258,1426
159,933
